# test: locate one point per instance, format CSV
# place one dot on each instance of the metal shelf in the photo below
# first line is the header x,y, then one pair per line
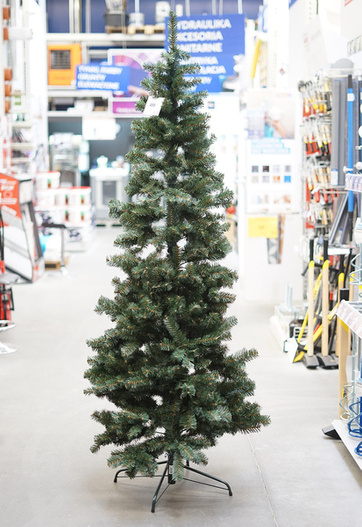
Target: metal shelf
x,y
22,124
22,146
108,40
66,116
350,443
20,160
77,115
351,314
56,91
101,42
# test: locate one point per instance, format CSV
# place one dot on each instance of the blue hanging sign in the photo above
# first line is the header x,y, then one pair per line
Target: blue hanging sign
x,y
216,43
102,77
263,19
291,2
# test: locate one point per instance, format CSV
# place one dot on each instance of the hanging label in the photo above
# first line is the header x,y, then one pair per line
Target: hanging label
x,y
263,227
153,106
334,177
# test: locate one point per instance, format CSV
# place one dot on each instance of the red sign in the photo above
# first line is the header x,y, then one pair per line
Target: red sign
x,y
9,190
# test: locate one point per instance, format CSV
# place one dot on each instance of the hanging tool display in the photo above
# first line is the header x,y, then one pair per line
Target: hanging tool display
x,y
342,346
333,158
350,141
317,133
355,399
306,352
332,166
326,360
310,359
320,319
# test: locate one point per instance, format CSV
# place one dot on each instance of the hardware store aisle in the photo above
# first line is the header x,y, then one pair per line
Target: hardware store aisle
x,y
288,475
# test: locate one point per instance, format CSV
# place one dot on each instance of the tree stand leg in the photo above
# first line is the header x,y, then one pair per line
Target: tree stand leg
x,y
117,476
170,481
168,470
205,475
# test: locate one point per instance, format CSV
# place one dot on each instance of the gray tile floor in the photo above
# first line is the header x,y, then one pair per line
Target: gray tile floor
x,y
288,475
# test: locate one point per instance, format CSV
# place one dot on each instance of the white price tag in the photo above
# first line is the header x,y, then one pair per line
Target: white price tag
x,y
153,106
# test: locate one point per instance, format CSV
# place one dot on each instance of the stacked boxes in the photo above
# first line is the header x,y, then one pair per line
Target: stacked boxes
x,y
70,206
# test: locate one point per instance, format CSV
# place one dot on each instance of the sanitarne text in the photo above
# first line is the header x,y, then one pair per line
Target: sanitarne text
x,y
202,35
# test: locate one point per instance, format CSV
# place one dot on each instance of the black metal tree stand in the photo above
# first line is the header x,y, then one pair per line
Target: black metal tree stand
x,y
169,471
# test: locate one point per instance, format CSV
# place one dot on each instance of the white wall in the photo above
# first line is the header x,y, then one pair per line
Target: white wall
x,y
261,281
227,131
351,15
315,41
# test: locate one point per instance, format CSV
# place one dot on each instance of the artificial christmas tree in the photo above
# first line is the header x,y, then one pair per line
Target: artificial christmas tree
x,y
164,365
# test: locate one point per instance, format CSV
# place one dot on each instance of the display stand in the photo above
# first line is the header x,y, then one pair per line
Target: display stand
x,y
5,87
350,443
168,471
107,183
6,348
350,313
6,305
23,253
7,279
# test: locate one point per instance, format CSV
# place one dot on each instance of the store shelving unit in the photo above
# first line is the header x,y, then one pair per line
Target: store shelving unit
x,y
350,313
5,85
70,95
22,125
24,121
62,100
93,46
89,40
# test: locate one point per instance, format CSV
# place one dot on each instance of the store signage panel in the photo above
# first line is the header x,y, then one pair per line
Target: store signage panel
x,y
291,2
263,19
102,77
125,107
215,42
123,103
272,181
9,188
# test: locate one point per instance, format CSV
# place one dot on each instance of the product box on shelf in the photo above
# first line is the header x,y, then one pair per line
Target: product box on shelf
x,y
62,61
68,206
79,196
47,180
